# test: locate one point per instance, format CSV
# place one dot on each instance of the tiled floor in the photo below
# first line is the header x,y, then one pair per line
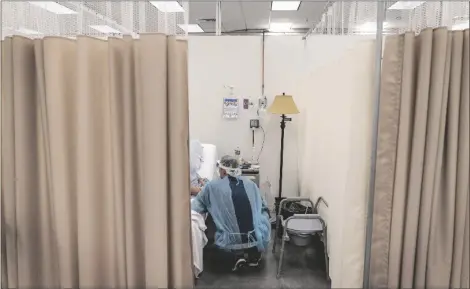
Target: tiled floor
x,y
303,268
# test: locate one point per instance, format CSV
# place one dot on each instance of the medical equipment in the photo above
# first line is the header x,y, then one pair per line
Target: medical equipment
x,y
252,173
300,228
238,155
254,124
268,196
237,152
262,103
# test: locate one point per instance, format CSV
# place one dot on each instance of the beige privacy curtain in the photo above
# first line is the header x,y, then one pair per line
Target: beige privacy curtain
x,y
95,158
421,209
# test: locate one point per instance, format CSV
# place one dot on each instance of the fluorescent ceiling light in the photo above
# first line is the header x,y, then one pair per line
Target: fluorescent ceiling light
x,y
461,25
285,5
53,7
27,31
105,29
280,27
370,27
406,5
191,28
167,6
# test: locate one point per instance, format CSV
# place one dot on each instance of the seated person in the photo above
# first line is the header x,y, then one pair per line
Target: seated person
x,y
240,216
195,162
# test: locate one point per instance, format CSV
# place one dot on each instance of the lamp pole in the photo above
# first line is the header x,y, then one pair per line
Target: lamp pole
x,y
279,196
283,126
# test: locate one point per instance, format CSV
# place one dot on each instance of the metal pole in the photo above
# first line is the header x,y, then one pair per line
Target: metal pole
x,y
218,18
186,17
375,131
283,126
342,18
1,141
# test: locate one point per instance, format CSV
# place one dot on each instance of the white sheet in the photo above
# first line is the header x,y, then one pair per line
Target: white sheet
x,y
199,239
210,161
198,225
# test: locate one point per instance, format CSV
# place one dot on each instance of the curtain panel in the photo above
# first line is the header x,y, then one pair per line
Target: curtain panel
x,y
421,206
95,163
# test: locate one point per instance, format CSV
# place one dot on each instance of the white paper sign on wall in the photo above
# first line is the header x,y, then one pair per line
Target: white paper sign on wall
x,y
230,110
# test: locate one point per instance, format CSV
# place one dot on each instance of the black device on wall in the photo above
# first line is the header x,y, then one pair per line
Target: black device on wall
x,y
254,123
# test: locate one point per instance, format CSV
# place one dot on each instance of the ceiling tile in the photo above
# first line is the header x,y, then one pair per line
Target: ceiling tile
x,y
199,10
257,14
308,14
233,17
241,15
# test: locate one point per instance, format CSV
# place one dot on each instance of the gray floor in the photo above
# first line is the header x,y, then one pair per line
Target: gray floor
x,y
301,269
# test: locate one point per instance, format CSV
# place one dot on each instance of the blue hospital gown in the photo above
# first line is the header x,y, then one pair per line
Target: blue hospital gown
x,y
239,212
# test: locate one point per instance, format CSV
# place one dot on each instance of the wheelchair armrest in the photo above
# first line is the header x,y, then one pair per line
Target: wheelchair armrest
x,y
294,200
317,204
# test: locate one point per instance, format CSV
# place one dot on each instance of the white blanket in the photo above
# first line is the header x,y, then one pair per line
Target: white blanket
x,y
198,227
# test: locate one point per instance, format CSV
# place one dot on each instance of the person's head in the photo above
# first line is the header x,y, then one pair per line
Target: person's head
x,y
228,165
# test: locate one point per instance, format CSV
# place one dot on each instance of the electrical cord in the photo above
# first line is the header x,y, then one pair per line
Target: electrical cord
x,y
262,145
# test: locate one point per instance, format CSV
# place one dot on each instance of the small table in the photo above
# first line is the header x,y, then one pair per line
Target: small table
x,y
252,174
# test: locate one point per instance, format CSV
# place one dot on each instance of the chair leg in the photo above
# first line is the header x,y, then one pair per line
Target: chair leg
x,y
281,257
325,247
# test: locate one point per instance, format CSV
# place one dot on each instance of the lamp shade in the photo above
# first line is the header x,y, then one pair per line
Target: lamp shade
x,y
283,104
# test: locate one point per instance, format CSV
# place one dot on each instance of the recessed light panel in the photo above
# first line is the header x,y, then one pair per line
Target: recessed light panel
x,y
191,28
406,5
168,6
285,5
53,7
105,29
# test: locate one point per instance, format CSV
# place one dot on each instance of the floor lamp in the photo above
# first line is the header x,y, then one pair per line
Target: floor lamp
x,y
282,104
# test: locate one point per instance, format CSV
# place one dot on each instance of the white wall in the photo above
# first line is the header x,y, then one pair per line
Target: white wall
x,y
237,60
283,67
213,63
